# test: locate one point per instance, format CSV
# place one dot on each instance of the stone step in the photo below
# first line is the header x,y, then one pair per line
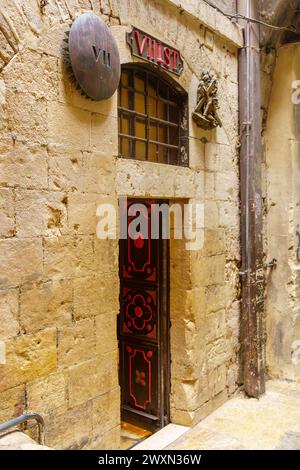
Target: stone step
x,y
163,438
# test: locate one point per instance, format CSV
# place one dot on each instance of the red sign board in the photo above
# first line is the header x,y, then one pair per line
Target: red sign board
x,y
155,51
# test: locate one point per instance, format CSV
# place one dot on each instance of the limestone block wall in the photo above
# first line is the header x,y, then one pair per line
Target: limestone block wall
x,y
282,218
59,284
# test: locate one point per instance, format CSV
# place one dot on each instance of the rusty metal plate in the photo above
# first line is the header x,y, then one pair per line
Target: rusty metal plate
x,y
94,57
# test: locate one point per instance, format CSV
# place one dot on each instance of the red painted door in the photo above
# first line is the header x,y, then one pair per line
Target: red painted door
x,y
144,325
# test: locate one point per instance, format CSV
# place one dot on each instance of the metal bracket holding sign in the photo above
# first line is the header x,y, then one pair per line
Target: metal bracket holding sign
x,y
154,51
94,57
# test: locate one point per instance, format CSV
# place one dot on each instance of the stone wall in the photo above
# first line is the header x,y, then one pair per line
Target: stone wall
x,y
283,219
59,284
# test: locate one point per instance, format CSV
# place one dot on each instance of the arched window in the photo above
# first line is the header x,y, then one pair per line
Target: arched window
x,y
153,124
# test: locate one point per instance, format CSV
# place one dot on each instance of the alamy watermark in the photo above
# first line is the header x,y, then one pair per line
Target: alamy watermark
x,y
152,220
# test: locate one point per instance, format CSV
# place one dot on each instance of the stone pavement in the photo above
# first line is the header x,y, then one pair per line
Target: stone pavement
x,y
271,423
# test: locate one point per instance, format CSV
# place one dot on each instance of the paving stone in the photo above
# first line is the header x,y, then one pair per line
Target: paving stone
x,y
271,423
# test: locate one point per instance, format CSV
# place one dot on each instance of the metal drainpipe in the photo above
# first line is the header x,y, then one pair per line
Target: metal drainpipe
x,y
252,274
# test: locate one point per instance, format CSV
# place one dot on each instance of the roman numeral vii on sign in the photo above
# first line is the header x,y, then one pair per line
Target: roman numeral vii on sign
x,y
101,54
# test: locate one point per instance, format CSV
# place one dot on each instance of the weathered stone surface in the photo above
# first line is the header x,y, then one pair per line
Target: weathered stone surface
x,y
186,357
68,171
76,343
182,417
12,403
23,166
217,380
211,215
118,31
196,153
28,121
218,158
7,213
95,295
106,333
22,22
50,42
68,257
9,304
233,320
106,412
3,115
135,178
210,185
180,266
21,261
189,304
281,190
209,271
107,255
72,118
229,214
8,49
103,132
233,378
40,213
218,353
45,305
28,357
42,84
215,324
82,213
85,172
92,378
185,394
214,242
48,396
70,430
216,297
232,245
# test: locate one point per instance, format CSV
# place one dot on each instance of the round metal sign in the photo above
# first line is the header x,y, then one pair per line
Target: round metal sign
x,y
94,57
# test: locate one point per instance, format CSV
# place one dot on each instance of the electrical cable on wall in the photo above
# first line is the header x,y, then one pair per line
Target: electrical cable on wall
x,y
237,16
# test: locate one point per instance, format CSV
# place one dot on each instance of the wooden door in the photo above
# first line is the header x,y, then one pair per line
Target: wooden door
x,y
144,326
